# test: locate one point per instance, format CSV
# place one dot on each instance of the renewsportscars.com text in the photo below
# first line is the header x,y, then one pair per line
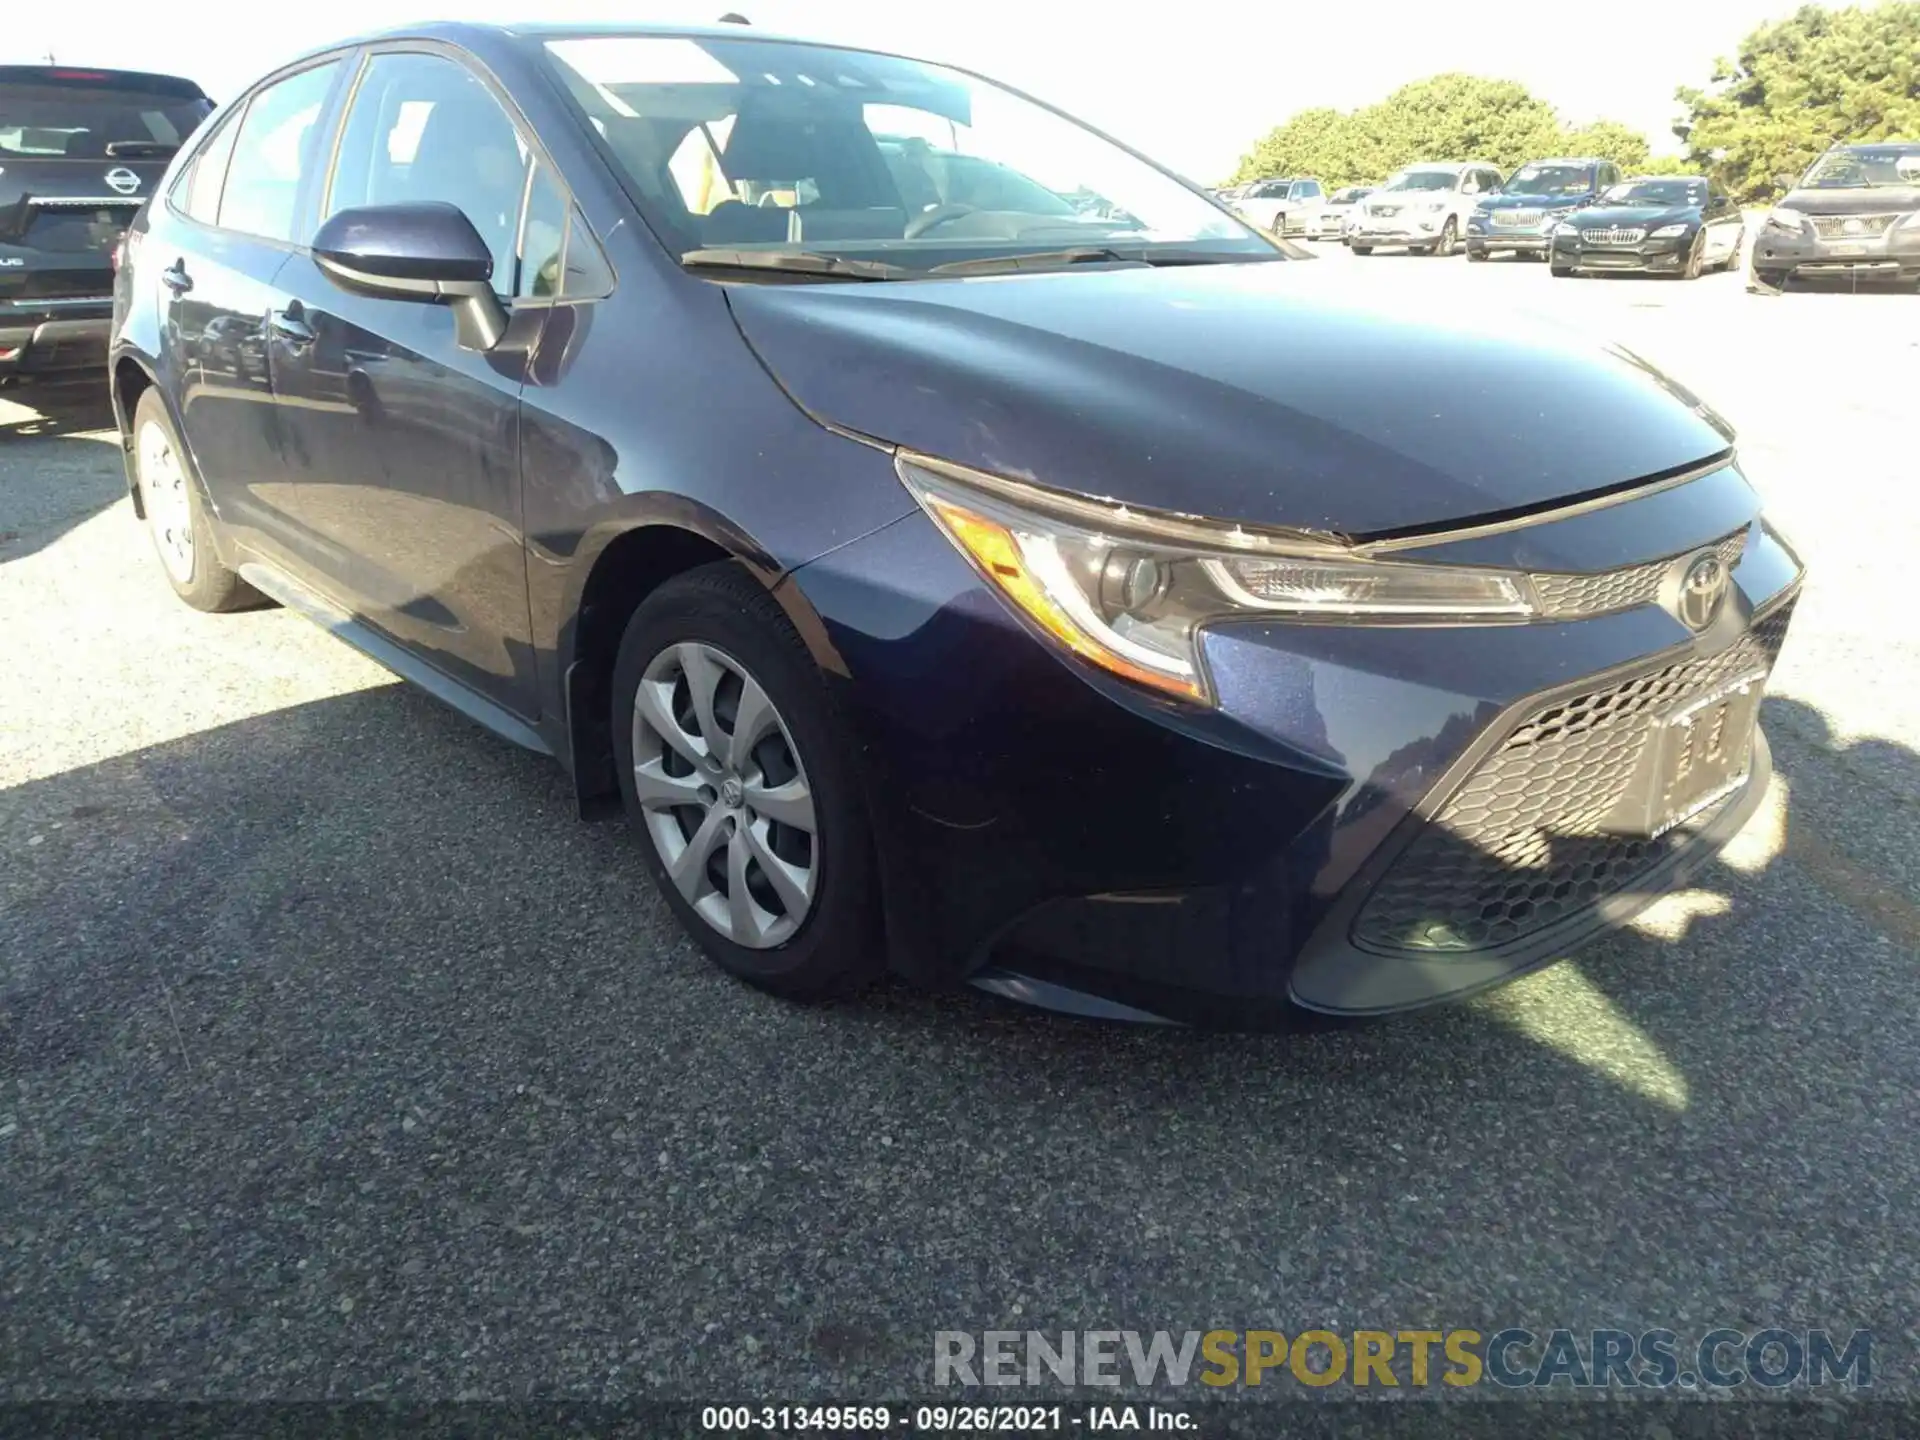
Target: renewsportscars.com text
x,y
1513,1358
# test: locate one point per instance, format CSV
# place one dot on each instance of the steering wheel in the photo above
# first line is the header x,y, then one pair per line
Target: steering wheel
x,y
934,218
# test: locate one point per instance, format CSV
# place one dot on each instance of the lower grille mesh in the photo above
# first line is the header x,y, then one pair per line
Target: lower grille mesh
x,y
1517,848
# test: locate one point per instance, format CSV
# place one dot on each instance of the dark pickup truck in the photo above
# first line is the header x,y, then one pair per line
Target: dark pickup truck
x,y
80,152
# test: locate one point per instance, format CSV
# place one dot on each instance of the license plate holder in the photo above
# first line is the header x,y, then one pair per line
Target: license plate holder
x,y
1847,247
1697,753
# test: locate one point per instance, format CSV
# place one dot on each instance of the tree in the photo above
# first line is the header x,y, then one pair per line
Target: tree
x,y
1799,85
1444,117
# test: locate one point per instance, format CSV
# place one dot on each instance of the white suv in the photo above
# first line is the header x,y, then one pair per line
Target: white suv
x,y
1424,208
1282,207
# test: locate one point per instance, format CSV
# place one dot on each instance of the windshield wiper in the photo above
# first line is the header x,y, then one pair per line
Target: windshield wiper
x,y
1085,255
140,150
796,262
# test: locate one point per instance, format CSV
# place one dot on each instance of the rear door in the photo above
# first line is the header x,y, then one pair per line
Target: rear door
x,y
227,235
406,446
80,152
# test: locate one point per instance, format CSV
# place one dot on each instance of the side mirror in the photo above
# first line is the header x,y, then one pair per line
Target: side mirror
x,y
1786,182
426,251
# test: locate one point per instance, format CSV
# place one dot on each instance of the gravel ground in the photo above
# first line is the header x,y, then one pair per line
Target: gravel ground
x,y
337,1059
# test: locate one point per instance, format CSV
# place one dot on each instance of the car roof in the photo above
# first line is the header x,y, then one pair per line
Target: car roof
x,y
1639,179
92,77
476,35
1900,147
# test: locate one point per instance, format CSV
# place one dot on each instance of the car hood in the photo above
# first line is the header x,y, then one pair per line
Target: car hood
x,y
1532,202
1870,200
1267,393
1650,215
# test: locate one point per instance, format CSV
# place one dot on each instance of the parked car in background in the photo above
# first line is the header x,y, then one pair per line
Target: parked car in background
x,y
1154,633
1535,198
1664,225
1856,212
1282,207
1333,216
79,153
1424,208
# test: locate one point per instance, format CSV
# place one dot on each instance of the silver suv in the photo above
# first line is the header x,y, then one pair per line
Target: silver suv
x,y
1423,207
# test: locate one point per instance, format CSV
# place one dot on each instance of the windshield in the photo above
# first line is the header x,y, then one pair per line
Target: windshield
x,y
768,147
1349,195
1550,180
53,122
1423,180
1658,192
1854,169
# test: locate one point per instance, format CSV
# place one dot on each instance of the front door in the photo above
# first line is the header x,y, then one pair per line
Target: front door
x,y
405,447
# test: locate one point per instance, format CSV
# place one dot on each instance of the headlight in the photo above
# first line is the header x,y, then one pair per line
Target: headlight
x,y
1435,205
1667,232
1130,589
1566,228
1791,221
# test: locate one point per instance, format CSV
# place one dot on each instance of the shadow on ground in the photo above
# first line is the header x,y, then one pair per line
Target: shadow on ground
x,y
335,1058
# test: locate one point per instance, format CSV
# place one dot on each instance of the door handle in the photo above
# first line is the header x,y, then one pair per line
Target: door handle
x,y
294,332
175,277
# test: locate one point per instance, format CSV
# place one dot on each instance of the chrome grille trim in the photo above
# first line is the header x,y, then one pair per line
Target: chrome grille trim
x,y
1615,236
1834,227
1569,597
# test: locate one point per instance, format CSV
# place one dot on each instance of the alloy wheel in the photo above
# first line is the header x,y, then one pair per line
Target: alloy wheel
x,y
163,493
725,795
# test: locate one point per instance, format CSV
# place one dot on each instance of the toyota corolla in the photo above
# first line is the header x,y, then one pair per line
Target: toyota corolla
x,y
1109,612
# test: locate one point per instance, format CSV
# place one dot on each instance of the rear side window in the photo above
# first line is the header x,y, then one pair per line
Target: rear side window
x,y
274,150
197,193
80,121
423,128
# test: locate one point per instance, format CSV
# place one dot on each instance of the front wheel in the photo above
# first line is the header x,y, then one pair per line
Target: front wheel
x,y
1476,253
1361,249
177,515
741,780
1772,279
1559,271
1696,255
1443,247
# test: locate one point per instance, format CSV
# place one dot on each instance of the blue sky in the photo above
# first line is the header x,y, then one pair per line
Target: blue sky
x,y
1193,86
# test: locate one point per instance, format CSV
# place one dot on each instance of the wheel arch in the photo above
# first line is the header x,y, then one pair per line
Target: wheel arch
x,y
618,570
131,378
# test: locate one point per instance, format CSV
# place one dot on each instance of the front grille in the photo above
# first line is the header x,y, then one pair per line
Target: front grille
x,y
1852,227
1565,597
1516,219
1384,212
1613,236
1518,847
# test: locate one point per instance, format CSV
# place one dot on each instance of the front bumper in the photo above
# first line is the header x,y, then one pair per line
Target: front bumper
x,y
41,343
1662,256
1400,229
1047,832
1893,255
1484,234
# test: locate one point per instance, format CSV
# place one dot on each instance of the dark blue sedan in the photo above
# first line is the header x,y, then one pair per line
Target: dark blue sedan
x,y
957,544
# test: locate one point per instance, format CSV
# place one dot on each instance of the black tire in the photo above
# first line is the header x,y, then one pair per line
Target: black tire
x,y
1559,271
208,584
837,946
1443,247
1696,252
1476,253
1279,226
1361,249
1772,279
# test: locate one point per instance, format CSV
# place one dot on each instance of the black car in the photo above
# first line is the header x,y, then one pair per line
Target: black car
x,y
1855,213
1660,224
1107,612
1521,217
80,151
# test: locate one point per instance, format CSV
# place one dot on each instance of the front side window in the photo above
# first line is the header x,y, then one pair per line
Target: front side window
x,y
423,128
748,144
274,150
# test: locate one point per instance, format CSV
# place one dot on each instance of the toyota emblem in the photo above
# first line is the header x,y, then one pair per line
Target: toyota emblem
x,y
123,180
1702,587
